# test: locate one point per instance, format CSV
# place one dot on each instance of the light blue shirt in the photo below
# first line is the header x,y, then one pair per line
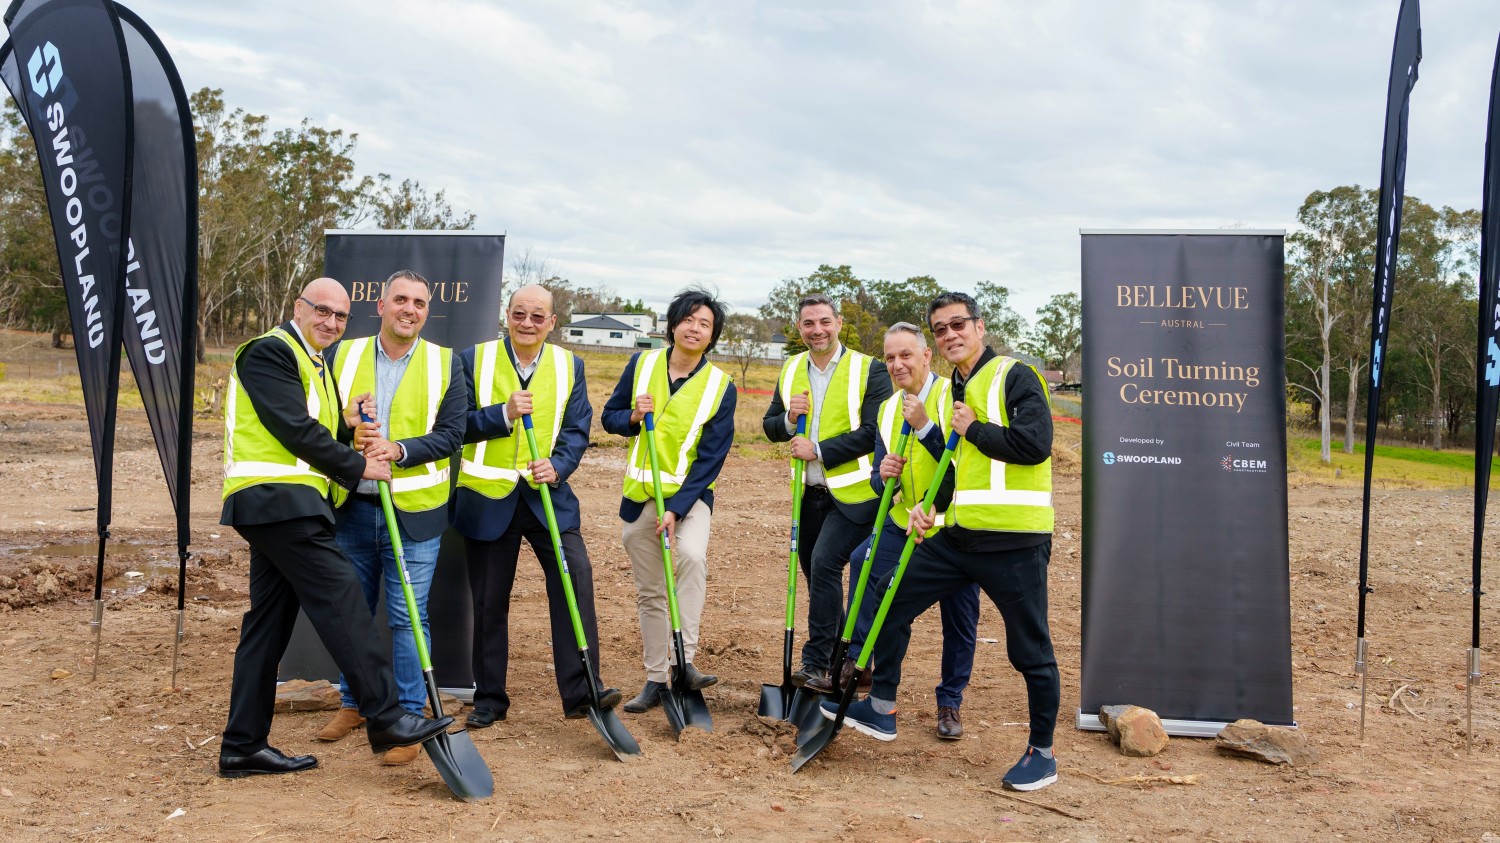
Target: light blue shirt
x,y
818,381
388,375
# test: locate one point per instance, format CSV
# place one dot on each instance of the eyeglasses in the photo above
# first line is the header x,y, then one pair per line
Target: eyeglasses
x,y
955,325
324,311
520,317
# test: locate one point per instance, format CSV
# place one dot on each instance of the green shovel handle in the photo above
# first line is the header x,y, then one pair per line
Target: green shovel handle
x,y
886,495
411,599
557,548
911,544
661,514
791,565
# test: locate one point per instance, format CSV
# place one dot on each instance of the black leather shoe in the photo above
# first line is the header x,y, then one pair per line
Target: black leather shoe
x,y
409,730
483,718
808,674
649,698
698,681
608,699
949,727
268,761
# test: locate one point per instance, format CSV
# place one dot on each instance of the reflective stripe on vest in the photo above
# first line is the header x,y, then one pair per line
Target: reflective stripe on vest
x,y
679,419
413,413
251,454
920,465
494,467
991,494
850,481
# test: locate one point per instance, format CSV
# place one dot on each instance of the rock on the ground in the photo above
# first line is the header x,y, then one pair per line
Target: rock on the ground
x,y
302,695
1254,739
1141,732
1109,715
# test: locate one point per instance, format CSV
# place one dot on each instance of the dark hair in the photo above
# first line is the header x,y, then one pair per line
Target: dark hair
x,y
409,275
687,302
951,297
812,299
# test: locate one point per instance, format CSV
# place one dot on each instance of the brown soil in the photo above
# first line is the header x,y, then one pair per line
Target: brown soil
x,y
116,758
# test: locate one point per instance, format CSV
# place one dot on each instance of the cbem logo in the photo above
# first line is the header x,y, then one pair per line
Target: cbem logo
x,y
1230,463
45,58
1111,458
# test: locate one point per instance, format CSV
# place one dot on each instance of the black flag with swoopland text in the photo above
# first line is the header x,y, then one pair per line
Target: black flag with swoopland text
x,y
1489,337
65,66
161,270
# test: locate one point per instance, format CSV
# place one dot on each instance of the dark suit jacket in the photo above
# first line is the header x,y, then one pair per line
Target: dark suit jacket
x,y
846,446
269,371
486,519
444,440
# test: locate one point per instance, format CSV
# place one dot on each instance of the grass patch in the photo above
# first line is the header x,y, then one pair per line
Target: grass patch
x,y
1396,466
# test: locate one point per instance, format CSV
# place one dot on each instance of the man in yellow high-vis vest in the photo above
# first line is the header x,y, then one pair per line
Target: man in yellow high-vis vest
x,y
414,391
998,533
925,402
839,391
498,502
283,457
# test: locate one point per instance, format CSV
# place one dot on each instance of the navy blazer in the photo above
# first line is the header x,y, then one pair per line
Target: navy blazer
x,y
478,517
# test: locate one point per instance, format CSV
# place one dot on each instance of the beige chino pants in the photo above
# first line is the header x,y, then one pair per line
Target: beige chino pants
x,y
689,571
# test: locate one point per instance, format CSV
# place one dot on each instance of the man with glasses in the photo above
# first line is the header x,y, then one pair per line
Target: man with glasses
x,y
497,503
998,533
284,455
839,391
413,391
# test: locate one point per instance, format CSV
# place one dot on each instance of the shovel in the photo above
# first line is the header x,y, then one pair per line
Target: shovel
x,y
808,727
780,702
821,737
605,721
683,705
454,755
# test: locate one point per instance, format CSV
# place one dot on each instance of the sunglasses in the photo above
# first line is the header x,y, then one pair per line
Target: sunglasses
x,y
521,316
324,311
955,325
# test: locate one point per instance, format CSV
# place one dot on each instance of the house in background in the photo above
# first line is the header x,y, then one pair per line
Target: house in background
x,y
643,322
607,331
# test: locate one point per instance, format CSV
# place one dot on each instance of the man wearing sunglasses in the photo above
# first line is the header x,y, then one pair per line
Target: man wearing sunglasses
x,y
997,533
285,454
413,391
839,391
498,505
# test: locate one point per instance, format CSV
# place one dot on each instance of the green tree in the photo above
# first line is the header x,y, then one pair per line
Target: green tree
x,y
30,278
1058,335
1004,327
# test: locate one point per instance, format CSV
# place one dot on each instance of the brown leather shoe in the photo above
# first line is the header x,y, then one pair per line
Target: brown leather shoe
x,y
866,679
824,685
346,721
949,727
401,755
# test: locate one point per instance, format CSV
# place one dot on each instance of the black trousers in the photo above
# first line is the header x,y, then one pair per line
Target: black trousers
x,y
296,564
825,539
1015,580
492,573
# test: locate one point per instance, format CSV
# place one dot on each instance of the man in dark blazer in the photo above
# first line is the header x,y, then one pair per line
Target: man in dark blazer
x,y
839,391
496,505
282,459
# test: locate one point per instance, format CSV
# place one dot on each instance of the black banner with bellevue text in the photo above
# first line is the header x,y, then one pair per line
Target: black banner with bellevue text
x,y
465,270
1185,560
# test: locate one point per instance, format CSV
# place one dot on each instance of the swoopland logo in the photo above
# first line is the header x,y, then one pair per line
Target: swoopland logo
x,y
1111,458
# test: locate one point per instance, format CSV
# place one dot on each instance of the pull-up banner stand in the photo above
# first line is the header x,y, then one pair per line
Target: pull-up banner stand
x,y
464,268
1185,563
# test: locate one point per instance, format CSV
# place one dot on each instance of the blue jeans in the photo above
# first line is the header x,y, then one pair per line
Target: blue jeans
x,y
960,612
364,539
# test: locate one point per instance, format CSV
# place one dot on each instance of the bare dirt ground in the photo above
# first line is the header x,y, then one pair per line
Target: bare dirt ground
x,y
117,758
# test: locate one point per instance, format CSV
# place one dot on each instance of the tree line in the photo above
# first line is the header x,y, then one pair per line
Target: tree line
x,y
1428,370
264,199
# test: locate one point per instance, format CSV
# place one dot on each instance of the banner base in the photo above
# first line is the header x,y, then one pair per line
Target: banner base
x,y
1175,728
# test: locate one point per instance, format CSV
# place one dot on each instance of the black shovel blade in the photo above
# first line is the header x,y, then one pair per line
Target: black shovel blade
x,y
816,740
671,705
459,763
776,701
614,733
805,715
695,708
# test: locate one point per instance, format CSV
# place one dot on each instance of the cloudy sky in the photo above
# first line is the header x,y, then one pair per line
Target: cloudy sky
x,y
646,145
